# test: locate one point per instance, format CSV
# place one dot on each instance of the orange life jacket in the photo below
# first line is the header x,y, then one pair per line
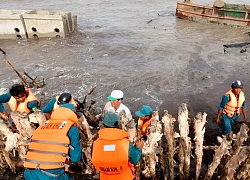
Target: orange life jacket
x,y
23,106
72,101
233,105
50,144
64,113
144,125
110,155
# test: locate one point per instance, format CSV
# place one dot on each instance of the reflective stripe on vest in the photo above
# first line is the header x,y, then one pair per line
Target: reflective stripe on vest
x,y
22,107
111,157
233,105
49,145
50,174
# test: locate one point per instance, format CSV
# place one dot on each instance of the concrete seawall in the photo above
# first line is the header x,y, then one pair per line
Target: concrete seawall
x,y
35,24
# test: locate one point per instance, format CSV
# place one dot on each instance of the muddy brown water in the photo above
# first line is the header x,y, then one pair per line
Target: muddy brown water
x,y
137,46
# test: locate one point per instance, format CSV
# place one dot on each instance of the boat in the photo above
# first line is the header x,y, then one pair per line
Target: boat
x,y
236,15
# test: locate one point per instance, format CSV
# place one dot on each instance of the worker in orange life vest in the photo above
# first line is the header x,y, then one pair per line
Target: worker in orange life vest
x,y
145,115
231,104
55,102
19,99
53,144
113,152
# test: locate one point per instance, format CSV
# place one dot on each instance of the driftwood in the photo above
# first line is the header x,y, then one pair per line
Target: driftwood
x,y
10,141
22,123
4,117
235,161
185,142
37,117
238,154
155,131
199,123
153,152
23,130
151,146
128,125
244,172
232,152
10,163
241,137
82,105
137,166
171,135
92,119
15,137
219,153
87,139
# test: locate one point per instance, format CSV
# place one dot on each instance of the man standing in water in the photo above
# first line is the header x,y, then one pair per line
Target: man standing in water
x,y
229,110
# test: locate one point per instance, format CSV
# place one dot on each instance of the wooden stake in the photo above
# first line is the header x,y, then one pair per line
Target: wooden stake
x,y
19,75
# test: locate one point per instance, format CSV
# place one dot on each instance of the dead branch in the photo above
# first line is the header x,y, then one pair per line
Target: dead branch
x,y
38,85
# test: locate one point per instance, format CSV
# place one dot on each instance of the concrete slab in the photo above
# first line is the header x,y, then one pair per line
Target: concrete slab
x,y
38,25
11,26
35,24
